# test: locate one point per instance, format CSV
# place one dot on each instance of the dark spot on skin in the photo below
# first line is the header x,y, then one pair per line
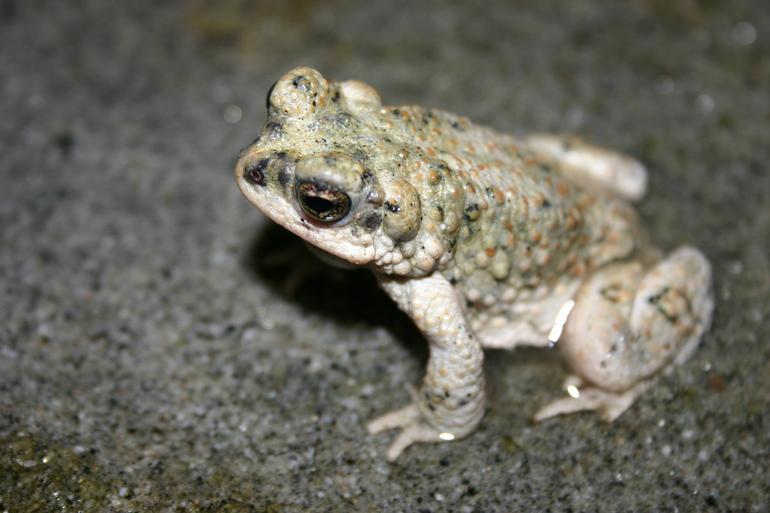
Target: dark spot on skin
x,y
393,207
336,96
396,112
453,280
462,403
655,298
274,129
284,177
455,125
446,393
359,155
469,210
256,174
611,293
431,407
372,221
367,176
661,307
546,203
297,80
269,92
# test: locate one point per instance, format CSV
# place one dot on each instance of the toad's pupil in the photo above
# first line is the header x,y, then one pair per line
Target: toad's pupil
x,y
322,202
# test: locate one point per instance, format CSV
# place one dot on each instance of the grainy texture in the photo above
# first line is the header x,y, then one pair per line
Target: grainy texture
x,y
158,347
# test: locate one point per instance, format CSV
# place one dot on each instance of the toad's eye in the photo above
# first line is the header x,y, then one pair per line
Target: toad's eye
x,y
322,202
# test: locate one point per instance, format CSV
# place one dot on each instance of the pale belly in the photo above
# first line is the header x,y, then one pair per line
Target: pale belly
x,y
534,321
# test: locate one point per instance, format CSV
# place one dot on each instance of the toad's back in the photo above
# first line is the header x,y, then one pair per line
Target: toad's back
x,y
526,229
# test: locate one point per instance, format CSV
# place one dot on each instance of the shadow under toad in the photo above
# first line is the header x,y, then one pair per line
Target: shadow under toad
x,y
282,261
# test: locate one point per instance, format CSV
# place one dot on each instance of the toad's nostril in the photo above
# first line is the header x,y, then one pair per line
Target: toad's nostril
x,y
255,173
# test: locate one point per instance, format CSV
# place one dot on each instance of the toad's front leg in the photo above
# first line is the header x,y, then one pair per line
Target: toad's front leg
x,y
450,402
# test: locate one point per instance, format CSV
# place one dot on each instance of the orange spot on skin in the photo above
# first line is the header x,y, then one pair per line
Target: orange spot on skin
x,y
499,196
490,252
585,202
578,270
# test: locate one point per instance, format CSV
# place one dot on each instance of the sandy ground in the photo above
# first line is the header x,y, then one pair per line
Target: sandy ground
x,y
163,348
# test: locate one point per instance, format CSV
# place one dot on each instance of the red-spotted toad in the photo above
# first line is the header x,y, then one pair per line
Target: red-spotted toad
x,y
484,240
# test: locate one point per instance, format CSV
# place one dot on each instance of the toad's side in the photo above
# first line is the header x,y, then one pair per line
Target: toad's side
x,y
484,240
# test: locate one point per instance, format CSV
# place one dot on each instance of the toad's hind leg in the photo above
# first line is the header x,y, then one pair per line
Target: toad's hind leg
x,y
628,324
593,166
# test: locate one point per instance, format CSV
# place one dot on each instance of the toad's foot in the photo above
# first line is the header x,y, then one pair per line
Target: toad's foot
x,y
414,429
609,405
630,323
450,402
592,166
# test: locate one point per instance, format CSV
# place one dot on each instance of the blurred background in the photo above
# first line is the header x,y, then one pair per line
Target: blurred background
x,y
163,348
